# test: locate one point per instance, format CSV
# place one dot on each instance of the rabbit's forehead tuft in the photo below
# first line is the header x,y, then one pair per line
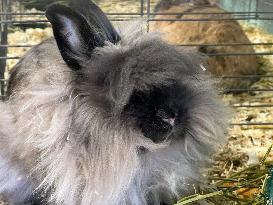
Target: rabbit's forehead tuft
x,y
152,54
145,62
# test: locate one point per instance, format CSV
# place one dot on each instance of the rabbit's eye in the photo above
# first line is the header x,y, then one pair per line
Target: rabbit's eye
x,y
165,112
162,114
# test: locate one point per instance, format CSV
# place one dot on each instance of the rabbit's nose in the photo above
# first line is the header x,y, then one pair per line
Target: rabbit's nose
x,y
170,121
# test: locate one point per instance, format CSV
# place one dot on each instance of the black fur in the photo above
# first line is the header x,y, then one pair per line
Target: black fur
x,y
91,29
95,17
152,110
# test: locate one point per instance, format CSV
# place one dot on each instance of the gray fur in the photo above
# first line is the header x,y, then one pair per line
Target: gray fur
x,y
65,136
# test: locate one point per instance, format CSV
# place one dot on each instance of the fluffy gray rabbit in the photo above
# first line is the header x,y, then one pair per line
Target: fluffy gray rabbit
x,y
100,117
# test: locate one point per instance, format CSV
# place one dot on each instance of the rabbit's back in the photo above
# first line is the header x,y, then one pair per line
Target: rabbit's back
x,y
41,66
37,87
36,92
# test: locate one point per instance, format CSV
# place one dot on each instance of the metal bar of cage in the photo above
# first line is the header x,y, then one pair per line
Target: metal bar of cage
x,y
5,7
241,54
148,14
229,44
247,76
257,8
247,90
152,13
253,106
209,54
192,44
6,20
252,123
151,19
141,9
213,19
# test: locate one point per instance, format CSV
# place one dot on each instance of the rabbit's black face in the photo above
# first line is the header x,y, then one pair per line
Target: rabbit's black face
x,y
157,112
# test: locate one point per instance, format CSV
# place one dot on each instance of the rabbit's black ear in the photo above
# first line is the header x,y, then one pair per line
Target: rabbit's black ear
x,y
95,17
74,36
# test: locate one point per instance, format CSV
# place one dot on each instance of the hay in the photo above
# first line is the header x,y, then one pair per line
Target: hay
x,y
246,186
28,37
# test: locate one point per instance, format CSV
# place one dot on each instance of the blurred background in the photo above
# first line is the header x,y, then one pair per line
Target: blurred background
x,y
236,36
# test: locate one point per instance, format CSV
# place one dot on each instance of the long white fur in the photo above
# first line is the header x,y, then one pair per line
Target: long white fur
x,y
41,148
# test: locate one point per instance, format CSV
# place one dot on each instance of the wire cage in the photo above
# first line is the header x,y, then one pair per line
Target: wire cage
x,y
14,16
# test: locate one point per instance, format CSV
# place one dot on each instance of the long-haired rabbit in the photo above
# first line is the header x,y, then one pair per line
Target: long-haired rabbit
x,y
187,30
96,116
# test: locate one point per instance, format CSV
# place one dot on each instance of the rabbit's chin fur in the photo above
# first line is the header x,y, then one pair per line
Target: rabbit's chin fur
x,y
57,140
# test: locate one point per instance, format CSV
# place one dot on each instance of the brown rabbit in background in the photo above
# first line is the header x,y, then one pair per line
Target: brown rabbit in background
x,y
96,116
209,32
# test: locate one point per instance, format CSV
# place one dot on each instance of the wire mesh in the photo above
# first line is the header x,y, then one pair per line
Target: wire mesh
x,y
11,19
